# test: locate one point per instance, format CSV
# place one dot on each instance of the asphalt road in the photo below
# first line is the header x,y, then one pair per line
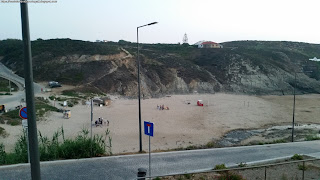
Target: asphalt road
x,y
125,167
14,99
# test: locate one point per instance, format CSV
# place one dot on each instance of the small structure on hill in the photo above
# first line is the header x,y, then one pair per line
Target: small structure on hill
x,y
314,59
209,44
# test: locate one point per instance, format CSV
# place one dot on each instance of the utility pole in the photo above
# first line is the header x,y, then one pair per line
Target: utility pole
x,y
294,101
91,126
9,85
294,105
31,114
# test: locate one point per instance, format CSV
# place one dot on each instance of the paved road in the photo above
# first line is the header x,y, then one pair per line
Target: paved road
x,y
125,167
14,100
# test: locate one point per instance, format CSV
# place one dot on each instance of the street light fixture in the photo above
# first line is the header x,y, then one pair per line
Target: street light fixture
x,y
138,64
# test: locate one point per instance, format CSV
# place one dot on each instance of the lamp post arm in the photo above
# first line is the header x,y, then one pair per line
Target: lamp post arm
x,y
148,24
142,26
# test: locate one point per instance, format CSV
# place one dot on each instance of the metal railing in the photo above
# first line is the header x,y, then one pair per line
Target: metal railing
x,y
300,169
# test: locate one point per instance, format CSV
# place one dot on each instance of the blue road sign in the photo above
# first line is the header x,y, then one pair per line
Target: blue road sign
x,y
23,113
148,128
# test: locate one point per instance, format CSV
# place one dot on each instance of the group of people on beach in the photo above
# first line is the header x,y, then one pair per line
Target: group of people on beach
x,y
100,122
162,107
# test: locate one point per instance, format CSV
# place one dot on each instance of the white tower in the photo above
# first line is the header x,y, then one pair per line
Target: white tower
x,y
185,39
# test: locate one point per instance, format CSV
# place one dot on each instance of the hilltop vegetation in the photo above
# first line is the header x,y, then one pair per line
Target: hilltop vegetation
x,y
259,67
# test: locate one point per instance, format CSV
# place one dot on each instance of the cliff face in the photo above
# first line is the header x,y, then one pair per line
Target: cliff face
x,y
250,67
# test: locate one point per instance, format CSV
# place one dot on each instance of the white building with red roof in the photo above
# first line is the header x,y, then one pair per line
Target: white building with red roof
x,y
209,44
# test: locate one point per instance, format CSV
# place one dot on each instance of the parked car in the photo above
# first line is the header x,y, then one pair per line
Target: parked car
x,y
53,84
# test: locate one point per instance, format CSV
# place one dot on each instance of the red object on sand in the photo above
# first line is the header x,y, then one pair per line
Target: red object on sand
x,y
199,103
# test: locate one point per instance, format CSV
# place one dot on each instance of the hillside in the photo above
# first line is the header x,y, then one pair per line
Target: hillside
x,y
249,67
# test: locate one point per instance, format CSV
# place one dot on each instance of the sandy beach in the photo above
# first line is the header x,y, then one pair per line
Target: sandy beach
x,y
185,124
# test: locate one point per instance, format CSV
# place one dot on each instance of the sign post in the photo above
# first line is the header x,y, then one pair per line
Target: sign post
x,y
148,130
91,128
23,115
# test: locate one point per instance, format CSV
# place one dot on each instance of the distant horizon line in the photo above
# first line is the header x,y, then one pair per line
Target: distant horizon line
x,y
158,43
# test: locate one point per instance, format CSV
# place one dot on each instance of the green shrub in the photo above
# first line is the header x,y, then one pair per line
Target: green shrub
x,y
284,177
12,114
302,167
14,122
278,141
42,107
297,157
242,164
61,99
3,132
2,154
210,145
70,93
72,149
230,176
187,176
70,104
21,149
312,138
42,99
191,147
60,148
220,166
4,85
261,143
52,98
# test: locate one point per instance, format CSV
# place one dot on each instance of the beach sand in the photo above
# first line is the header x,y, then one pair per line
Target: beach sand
x,y
185,124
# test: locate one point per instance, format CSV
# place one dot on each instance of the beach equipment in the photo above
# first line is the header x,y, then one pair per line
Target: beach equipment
x,y
199,103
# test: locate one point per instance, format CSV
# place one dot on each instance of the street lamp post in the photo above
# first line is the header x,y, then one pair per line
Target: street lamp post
x,y
294,101
139,95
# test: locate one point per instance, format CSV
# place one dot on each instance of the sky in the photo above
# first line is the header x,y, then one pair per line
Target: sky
x,y
211,20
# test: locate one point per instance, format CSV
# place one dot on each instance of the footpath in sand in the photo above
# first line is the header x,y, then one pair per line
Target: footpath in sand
x,y
185,124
